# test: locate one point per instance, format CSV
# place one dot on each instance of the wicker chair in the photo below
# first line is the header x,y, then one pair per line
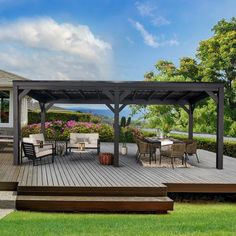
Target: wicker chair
x,y
175,150
191,148
145,148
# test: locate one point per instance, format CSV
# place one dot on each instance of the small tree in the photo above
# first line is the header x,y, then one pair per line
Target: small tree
x,y
124,123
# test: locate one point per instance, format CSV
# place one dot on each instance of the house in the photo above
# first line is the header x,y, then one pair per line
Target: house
x,y
6,103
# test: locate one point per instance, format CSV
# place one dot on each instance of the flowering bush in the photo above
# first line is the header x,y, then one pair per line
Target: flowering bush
x,y
60,130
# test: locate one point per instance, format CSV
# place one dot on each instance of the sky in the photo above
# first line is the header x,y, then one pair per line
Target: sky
x,y
114,40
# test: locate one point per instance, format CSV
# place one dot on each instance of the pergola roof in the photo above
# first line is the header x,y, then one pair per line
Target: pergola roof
x,y
116,95
135,92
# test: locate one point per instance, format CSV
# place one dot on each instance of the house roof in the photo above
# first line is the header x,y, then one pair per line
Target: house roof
x,y
133,92
6,78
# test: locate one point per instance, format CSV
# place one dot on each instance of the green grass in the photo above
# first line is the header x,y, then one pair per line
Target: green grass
x,y
186,219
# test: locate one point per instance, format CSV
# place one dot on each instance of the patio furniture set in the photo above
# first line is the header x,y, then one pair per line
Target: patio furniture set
x,y
36,147
171,148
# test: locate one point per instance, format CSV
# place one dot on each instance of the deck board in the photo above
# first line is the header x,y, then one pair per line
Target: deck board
x,y
84,170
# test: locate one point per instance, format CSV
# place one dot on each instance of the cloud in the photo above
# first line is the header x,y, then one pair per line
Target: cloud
x,y
42,48
150,39
158,21
146,9
129,40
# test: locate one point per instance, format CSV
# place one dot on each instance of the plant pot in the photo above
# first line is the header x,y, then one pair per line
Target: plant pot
x,y
106,158
124,150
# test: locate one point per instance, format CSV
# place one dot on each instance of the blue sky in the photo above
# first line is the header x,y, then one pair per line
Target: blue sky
x,y
102,39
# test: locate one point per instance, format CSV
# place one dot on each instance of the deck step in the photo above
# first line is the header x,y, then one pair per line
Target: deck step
x,y
7,199
94,203
8,186
93,191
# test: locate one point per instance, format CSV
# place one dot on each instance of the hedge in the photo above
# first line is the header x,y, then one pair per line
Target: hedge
x,y
209,144
34,117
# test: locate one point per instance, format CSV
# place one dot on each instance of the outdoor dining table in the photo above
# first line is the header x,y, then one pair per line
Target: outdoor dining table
x,y
162,141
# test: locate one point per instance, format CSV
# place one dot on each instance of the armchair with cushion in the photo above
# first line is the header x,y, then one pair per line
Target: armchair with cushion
x,y
37,146
32,153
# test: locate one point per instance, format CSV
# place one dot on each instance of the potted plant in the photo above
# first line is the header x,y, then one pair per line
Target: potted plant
x,y
124,129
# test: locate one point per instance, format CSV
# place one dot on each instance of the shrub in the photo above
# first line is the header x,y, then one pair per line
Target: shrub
x,y
209,144
34,117
60,130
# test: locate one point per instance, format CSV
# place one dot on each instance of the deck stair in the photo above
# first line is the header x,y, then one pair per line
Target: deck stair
x,y
93,199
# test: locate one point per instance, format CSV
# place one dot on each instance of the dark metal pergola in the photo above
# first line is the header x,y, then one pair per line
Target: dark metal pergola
x,y
116,95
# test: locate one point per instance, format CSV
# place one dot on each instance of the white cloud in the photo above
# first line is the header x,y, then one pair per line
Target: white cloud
x,y
45,33
150,39
146,9
158,21
45,49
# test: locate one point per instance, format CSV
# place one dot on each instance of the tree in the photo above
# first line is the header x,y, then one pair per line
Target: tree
x,y
215,62
217,57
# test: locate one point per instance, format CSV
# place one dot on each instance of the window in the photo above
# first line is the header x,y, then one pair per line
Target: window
x,y
4,106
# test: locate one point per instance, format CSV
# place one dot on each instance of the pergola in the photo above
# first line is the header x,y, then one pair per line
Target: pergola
x,y
117,95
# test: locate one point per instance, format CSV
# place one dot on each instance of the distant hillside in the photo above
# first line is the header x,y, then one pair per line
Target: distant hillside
x,y
103,112
34,106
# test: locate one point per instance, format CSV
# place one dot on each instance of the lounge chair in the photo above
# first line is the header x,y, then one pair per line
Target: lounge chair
x,y
32,154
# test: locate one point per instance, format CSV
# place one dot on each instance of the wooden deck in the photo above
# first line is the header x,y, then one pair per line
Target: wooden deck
x,y
84,170
82,175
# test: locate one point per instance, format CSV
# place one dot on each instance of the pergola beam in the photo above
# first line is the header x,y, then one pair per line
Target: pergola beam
x,y
122,107
166,95
151,94
66,95
82,94
23,93
48,106
124,95
213,96
110,107
183,96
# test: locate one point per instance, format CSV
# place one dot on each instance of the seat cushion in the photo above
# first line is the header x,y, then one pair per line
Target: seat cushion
x,y
44,153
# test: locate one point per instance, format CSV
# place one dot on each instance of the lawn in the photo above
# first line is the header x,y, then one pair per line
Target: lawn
x,y
186,219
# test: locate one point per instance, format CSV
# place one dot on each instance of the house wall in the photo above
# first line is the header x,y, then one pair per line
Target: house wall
x,y
7,128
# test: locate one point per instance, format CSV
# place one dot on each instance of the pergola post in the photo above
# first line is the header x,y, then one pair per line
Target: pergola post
x,y
43,117
190,121
16,125
220,129
116,128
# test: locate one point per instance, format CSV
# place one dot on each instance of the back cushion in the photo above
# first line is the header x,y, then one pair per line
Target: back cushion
x,y
86,137
38,137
